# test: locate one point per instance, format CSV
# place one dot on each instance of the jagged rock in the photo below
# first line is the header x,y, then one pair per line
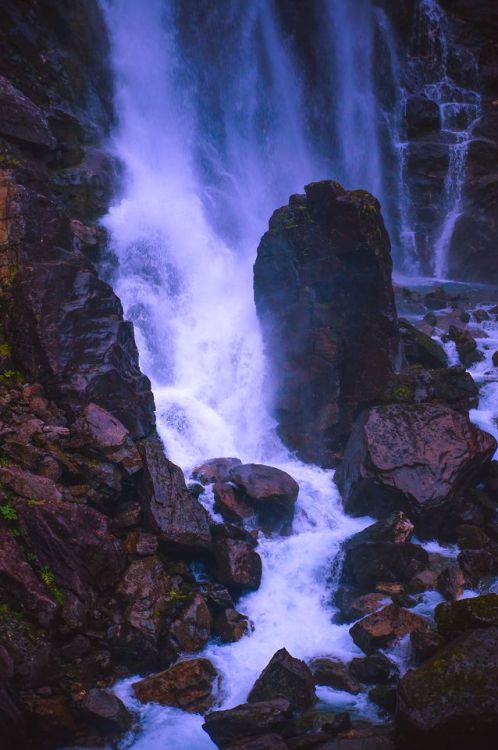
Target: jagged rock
x,y
424,580
249,720
477,564
237,565
172,513
271,491
191,629
467,614
322,282
381,552
285,677
373,669
106,711
382,629
451,582
353,607
215,470
333,673
187,685
414,458
452,699
140,543
422,116
453,386
102,433
385,697
421,349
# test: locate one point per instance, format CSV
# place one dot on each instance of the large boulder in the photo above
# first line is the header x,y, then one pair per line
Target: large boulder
x,y
322,284
285,677
451,701
187,685
421,349
271,491
467,614
414,458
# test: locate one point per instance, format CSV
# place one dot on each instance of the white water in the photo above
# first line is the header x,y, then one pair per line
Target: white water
x,y
185,233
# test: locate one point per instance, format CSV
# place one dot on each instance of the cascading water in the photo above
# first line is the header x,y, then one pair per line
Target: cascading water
x,y
202,176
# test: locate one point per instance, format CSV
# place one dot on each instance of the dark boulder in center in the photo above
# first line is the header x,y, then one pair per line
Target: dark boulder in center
x,y
322,285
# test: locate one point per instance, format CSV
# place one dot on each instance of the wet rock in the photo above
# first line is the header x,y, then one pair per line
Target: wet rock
x,y
451,582
437,299
359,606
453,386
128,515
106,711
422,116
467,614
230,625
248,720
285,677
421,349
452,699
188,685
215,470
424,580
384,628
190,631
271,491
414,458
29,485
373,669
172,513
140,543
237,565
466,346
322,282
333,673
229,503
381,553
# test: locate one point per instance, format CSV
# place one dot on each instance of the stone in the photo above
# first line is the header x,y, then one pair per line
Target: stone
x,y
384,628
21,120
214,470
374,669
422,116
188,685
236,565
177,518
424,580
106,711
230,625
466,346
425,643
140,543
495,359
414,458
285,677
322,286
266,742
477,564
467,614
271,491
229,504
451,582
452,699
420,349
381,553
191,629
248,720
105,435
385,697
333,673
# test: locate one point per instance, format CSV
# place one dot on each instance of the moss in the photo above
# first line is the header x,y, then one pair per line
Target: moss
x,y
9,162
8,513
401,392
11,377
48,578
5,350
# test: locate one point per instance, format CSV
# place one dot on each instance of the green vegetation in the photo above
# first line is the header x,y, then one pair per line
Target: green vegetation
x,y
5,350
48,578
11,377
8,513
9,162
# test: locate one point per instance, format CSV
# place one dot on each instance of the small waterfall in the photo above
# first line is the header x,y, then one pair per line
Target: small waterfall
x,y
459,108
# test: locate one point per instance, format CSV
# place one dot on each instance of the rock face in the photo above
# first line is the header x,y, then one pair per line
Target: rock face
x,y
237,565
413,458
451,701
187,685
248,720
322,285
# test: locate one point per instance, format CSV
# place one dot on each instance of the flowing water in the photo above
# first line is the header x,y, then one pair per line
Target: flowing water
x,y
214,133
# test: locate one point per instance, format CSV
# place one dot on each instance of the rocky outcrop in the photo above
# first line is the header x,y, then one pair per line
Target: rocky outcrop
x,y
285,677
188,685
322,284
384,628
451,700
414,458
